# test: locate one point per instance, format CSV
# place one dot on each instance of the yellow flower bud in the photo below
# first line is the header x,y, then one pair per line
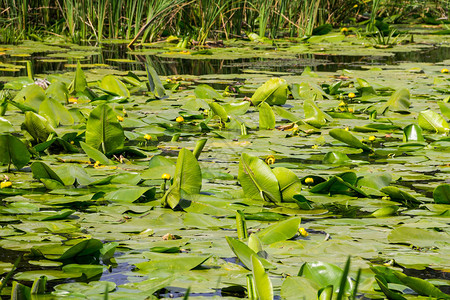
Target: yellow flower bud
x,y
179,119
97,164
303,232
148,137
165,176
120,118
372,138
351,95
350,110
444,70
344,29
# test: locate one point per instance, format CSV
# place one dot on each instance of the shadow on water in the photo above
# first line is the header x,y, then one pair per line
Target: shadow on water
x,y
108,54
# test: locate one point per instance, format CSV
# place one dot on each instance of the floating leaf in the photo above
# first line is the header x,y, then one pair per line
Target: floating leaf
x,y
187,179
103,130
5,125
55,112
219,111
130,194
431,121
257,179
113,85
94,154
412,132
397,194
441,194
399,101
390,294
266,116
365,89
290,184
32,96
38,126
43,171
313,115
263,285
154,83
280,231
244,253
346,137
420,286
13,151
79,83
204,91
325,274
273,91
335,157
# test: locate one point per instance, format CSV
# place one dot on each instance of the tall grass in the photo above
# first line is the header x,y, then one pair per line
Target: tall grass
x,y
198,19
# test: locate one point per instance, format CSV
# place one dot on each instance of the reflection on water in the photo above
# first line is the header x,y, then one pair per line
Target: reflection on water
x,y
46,63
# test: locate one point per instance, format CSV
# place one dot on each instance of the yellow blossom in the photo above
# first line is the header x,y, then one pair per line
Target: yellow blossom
x,y
73,100
309,180
351,95
120,118
5,184
179,119
346,128
315,146
165,176
344,29
303,232
342,103
97,164
350,110
372,138
444,70
148,137
270,160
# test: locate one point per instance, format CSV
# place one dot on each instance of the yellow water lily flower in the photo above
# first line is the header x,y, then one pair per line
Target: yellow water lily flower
x,y
315,146
120,118
372,138
148,137
97,164
444,70
309,180
346,128
351,95
165,176
350,110
179,119
303,232
5,184
270,160
344,29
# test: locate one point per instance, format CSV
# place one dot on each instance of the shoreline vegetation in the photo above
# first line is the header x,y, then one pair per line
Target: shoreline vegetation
x,y
194,22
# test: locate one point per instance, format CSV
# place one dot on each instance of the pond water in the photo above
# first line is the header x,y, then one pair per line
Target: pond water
x,y
365,191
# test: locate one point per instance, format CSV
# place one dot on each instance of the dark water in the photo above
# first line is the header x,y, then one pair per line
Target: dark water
x,y
175,66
